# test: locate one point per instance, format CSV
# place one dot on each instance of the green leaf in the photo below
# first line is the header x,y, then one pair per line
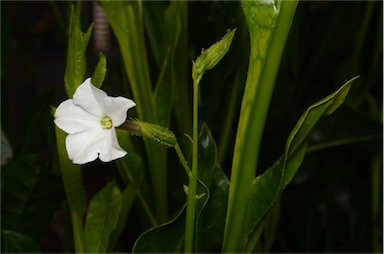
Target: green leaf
x,y
71,175
74,190
14,242
212,207
76,61
45,200
166,238
269,23
29,197
207,155
18,180
102,217
127,198
215,211
268,186
347,127
100,71
167,80
131,169
125,18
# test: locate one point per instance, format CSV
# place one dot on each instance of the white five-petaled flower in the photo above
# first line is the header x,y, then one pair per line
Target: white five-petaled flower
x,y
90,119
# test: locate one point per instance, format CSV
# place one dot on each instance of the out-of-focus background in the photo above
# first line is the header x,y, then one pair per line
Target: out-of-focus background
x,y
334,204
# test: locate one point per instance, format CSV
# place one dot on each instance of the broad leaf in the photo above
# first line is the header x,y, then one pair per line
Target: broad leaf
x,y
166,238
268,186
127,198
102,217
212,231
212,207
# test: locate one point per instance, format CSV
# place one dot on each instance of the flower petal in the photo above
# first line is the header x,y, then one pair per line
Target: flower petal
x,y
71,118
116,108
111,149
90,98
86,146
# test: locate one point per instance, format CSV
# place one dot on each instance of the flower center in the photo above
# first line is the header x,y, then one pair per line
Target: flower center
x,y
106,122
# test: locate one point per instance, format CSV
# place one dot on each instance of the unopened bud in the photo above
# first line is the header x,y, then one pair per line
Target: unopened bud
x,y
210,57
157,133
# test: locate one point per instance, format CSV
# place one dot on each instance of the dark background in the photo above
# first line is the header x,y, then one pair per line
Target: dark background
x,y
334,204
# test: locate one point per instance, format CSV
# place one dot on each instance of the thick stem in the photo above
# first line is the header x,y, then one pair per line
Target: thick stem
x,y
77,227
268,32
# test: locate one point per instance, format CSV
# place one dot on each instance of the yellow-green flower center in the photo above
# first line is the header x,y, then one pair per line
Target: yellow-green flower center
x,y
106,122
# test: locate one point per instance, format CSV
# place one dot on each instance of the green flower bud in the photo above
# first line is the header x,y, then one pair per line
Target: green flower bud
x,y
154,132
210,57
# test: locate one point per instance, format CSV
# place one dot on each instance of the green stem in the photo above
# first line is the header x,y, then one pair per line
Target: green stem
x,y
74,191
127,175
182,159
77,227
268,32
191,196
126,19
147,210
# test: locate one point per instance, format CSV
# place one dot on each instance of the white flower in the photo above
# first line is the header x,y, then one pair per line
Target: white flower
x,y
90,119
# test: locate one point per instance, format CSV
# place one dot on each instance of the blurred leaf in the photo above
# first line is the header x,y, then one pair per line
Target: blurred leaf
x,y
100,71
268,186
5,40
76,61
71,175
102,217
6,149
125,18
45,200
127,198
14,242
33,135
131,169
74,191
19,178
166,238
29,197
347,127
166,80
